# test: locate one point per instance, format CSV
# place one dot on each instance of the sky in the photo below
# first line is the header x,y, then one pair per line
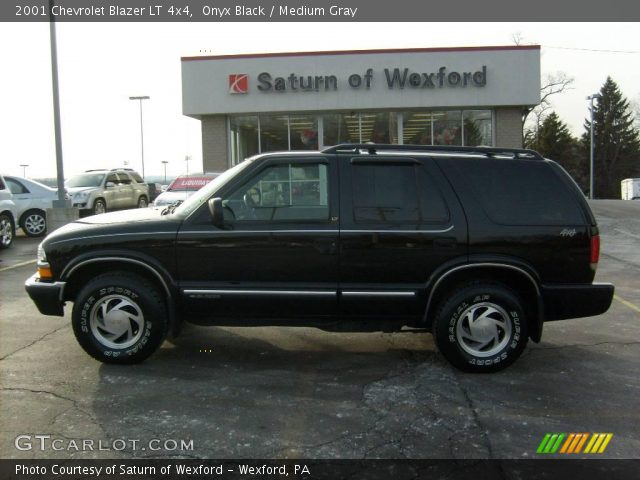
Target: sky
x,y
102,64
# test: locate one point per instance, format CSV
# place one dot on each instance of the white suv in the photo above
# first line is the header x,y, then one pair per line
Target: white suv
x,y
7,215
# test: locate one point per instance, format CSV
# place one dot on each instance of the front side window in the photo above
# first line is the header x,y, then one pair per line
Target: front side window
x,y
113,178
283,192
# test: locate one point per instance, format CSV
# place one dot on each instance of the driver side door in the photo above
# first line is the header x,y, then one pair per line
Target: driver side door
x,y
276,255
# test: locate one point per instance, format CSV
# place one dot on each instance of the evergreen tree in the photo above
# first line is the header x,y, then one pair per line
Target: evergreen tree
x,y
553,140
616,141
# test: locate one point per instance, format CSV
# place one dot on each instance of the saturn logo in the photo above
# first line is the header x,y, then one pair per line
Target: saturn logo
x,y
238,83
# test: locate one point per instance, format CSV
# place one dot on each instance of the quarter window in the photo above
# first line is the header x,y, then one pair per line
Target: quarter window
x,y
16,187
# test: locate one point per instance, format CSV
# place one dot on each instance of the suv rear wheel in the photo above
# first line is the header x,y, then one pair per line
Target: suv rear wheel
x,y
481,327
34,223
120,318
142,202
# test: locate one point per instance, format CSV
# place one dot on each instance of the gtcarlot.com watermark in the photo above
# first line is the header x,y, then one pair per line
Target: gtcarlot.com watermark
x,y
47,443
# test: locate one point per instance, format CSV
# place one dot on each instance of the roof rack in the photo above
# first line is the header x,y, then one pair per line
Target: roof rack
x,y
491,152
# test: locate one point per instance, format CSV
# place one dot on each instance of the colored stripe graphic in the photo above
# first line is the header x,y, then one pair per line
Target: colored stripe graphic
x,y
550,443
574,442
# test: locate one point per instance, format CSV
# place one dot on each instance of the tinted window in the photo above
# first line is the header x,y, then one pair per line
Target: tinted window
x,y
124,178
136,177
390,193
521,192
112,177
283,192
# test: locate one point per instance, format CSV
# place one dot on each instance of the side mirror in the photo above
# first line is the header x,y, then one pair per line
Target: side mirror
x,y
110,185
216,210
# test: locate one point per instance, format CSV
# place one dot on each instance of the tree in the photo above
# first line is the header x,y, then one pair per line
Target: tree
x,y
553,84
616,141
554,140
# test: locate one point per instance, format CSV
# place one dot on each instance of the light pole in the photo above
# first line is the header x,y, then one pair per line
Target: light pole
x,y
140,99
186,159
591,98
24,169
164,164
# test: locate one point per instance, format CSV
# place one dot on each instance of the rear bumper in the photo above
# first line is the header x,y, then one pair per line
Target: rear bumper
x,y
46,296
574,301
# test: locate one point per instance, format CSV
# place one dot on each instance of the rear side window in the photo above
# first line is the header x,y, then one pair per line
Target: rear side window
x,y
136,177
16,187
521,192
395,194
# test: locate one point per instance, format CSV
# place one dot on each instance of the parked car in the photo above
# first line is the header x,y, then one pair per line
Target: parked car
x,y
32,200
183,187
480,246
99,191
7,215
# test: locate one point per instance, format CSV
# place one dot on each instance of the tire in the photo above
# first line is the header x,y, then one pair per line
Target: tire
x,y
34,223
500,336
7,230
119,318
99,206
142,202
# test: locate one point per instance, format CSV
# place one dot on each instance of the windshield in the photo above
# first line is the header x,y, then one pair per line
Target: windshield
x,y
205,193
85,180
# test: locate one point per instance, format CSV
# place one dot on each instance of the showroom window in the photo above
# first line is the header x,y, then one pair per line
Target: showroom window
x,y
253,134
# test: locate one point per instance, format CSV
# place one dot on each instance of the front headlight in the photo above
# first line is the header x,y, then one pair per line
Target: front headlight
x,y
81,196
42,256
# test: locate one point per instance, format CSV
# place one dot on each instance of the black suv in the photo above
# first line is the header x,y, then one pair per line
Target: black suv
x,y
479,245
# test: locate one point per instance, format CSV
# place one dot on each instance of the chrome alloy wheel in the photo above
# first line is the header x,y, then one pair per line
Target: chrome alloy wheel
x,y
6,231
483,329
35,224
116,322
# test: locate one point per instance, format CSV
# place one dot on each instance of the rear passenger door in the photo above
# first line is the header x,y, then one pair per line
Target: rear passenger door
x,y
399,221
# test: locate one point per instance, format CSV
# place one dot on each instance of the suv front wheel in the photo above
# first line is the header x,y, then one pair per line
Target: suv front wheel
x,y
99,206
481,327
119,318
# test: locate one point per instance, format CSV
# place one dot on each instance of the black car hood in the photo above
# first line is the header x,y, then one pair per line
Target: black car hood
x,y
126,222
124,216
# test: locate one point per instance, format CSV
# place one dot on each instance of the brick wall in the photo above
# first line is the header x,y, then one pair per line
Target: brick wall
x,y
508,127
214,143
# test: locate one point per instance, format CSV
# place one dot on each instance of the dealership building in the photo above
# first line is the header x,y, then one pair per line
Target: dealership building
x,y
257,103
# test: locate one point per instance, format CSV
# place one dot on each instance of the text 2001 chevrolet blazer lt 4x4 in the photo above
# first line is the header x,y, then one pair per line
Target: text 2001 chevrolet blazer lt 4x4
x,y
479,245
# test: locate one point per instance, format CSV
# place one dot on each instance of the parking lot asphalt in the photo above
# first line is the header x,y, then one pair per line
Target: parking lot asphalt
x,y
303,393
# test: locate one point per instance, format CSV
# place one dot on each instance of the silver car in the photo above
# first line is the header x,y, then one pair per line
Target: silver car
x,y
99,191
7,215
32,200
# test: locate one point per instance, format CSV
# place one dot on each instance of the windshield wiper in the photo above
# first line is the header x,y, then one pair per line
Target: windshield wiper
x,y
171,207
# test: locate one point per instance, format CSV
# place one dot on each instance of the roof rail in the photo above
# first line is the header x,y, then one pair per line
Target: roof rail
x,y
373,148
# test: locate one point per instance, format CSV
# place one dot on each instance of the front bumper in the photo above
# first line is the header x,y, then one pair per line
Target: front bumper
x,y
46,296
575,301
